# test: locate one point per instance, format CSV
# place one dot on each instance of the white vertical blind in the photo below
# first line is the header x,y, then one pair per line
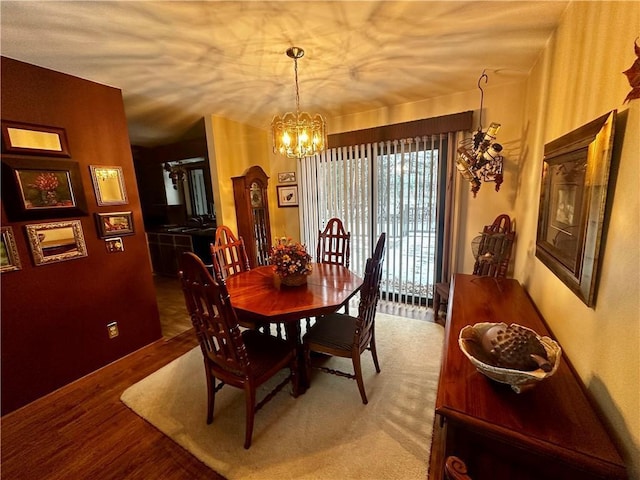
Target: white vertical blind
x,y
380,187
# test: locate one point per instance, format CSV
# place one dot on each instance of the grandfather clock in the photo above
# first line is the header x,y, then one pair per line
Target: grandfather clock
x,y
252,214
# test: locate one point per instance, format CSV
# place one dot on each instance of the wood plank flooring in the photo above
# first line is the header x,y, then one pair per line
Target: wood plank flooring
x,y
84,431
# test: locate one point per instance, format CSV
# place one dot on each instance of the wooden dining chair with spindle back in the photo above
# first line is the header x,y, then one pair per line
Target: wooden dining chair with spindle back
x,y
334,244
334,247
228,253
229,256
341,335
492,258
244,359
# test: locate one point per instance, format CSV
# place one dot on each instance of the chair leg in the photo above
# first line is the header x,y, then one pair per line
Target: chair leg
x,y
374,353
250,402
357,368
211,395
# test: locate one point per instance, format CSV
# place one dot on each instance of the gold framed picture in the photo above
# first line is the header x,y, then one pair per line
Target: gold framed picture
x,y
9,258
573,197
27,138
108,183
56,241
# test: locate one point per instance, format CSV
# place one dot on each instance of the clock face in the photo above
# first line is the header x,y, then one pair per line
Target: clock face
x,y
255,193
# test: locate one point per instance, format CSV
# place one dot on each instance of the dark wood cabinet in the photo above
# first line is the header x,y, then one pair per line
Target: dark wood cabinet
x,y
252,214
165,250
549,432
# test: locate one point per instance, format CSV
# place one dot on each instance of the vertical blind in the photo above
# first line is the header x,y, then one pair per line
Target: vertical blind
x,y
391,187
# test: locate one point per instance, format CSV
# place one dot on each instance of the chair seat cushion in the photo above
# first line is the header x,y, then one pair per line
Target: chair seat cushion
x,y
265,351
335,331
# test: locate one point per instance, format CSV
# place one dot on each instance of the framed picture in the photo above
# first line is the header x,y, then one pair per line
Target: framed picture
x,y
288,196
287,177
108,184
37,188
575,178
56,241
114,245
30,139
9,259
114,224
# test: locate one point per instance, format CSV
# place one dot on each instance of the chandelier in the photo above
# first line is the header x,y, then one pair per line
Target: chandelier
x,y
479,158
299,134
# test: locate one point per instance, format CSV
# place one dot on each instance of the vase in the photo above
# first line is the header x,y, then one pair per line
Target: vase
x,y
294,280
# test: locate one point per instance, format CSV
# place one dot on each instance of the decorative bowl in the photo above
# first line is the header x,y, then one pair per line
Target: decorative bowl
x,y
519,380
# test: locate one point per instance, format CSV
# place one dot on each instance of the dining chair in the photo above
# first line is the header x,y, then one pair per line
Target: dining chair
x,y
334,244
243,359
341,335
334,247
229,256
228,253
494,249
492,258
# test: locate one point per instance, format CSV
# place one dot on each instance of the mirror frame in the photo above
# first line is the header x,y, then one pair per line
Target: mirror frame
x,y
569,237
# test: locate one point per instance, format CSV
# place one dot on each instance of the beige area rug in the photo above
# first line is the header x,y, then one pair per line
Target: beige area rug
x,y
327,433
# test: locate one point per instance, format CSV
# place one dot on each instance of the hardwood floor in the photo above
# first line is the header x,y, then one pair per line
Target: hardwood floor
x,y
84,431
174,318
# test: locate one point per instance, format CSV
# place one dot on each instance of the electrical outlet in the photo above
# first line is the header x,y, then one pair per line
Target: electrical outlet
x,y
112,328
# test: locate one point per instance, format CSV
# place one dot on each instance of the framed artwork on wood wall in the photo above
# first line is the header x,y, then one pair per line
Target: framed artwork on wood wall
x,y
56,241
108,184
9,258
114,224
37,188
573,196
30,139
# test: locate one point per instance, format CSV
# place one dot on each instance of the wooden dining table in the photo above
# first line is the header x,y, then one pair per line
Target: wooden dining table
x,y
258,295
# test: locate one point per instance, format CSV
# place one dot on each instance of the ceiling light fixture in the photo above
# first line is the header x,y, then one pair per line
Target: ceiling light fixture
x,y
299,134
479,159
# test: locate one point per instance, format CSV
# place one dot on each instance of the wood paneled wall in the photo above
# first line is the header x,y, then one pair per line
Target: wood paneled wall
x,y
55,316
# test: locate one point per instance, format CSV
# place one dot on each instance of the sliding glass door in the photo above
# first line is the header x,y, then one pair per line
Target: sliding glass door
x,y
387,187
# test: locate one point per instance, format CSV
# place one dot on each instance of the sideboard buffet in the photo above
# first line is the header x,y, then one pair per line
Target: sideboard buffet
x,y
549,432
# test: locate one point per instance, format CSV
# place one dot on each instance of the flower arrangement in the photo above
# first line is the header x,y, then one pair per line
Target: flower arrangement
x,y
290,258
46,183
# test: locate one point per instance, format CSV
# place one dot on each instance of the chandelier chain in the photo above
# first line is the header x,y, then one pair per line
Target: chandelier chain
x,y
295,69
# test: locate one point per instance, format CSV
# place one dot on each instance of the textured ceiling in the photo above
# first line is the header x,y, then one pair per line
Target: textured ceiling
x,y
178,61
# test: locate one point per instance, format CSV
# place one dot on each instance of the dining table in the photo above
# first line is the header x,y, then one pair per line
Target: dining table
x,y
258,295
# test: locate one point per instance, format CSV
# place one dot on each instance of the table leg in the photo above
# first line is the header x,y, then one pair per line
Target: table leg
x,y
293,335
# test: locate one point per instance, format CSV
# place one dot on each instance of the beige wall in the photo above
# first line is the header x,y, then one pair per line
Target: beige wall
x,y
234,147
576,80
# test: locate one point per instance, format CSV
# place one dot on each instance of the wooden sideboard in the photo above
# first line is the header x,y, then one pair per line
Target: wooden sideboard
x,y
549,432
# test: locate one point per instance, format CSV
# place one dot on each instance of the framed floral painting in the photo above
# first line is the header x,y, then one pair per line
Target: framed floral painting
x,y
37,188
